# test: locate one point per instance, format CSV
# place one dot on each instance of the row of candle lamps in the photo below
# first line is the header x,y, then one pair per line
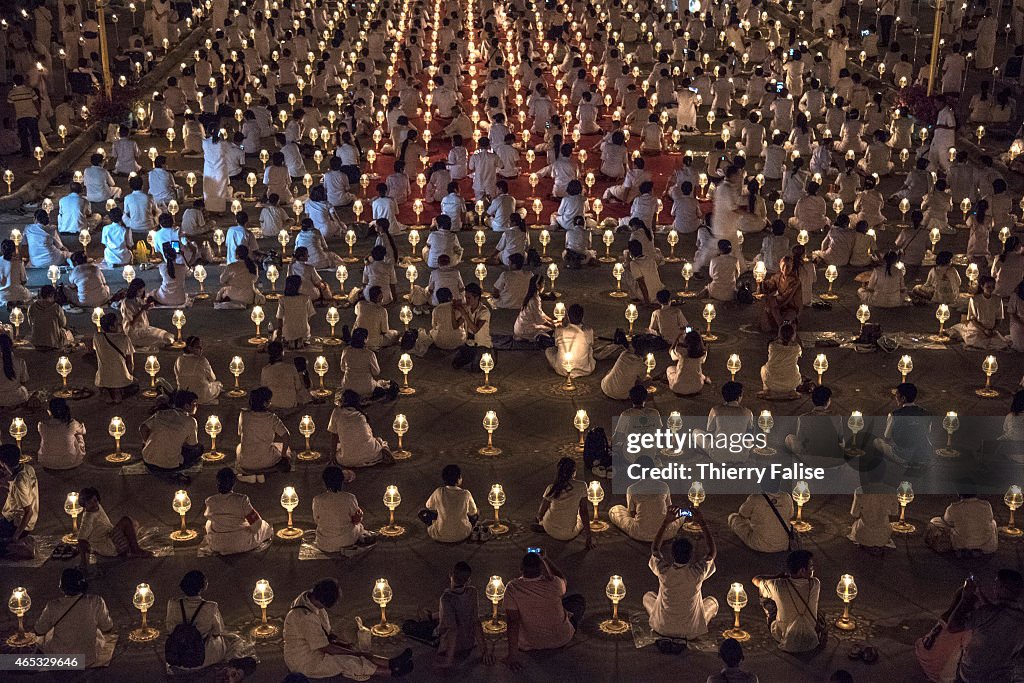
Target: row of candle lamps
x,y
143,599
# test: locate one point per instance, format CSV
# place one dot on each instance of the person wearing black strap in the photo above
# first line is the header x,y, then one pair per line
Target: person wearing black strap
x,y
790,601
221,646
75,623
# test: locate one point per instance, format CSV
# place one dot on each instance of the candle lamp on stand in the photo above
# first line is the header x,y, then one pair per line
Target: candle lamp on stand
x,y
486,366
950,423
392,499
709,315
617,271
687,273
1013,498
801,495
143,599
236,367
320,367
181,504
595,494
289,501
382,596
257,316
490,423
495,592
263,595
117,429
736,598
64,370
405,366
989,366
19,604
905,496
496,498
400,426
831,274
307,428
213,428
847,591
73,509
942,315
615,591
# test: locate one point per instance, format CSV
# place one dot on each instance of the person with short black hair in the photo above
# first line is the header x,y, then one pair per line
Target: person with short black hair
x,y
338,516
97,534
171,437
353,443
790,600
731,654
450,512
76,622
220,645
996,625
232,524
262,438
311,649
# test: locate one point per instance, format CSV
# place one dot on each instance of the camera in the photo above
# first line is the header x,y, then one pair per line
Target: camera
x,y
684,512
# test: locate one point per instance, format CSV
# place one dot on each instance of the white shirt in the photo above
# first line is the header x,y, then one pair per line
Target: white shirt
x,y
562,519
453,505
78,633
257,432
678,611
333,512
169,431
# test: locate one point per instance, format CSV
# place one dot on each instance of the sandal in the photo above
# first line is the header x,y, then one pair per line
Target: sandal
x,y
856,652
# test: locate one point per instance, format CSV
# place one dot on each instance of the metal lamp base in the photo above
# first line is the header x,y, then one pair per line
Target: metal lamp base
x,y
486,389
289,533
21,639
213,456
845,624
686,294
829,297
258,340
392,530
308,455
406,391
143,635
182,535
618,294
598,525
118,457
63,393
614,626
331,341
385,630
736,634
903,528
489,450
262,631
802,527
987,392
70,539
321,393
401,454
498,528
1011,531
494,626
947,452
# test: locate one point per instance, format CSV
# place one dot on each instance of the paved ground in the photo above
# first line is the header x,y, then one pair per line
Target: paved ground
x,y
900,593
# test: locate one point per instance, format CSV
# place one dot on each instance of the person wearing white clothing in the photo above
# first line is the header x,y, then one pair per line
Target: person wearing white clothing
x,y
75,622
502,207
286,384
967,526
99,185
262,438
239,235
758,525
338,517
13,277
140,211
162,187
219,646
73,211
678,609
61,438
574,345
192,372
874,504
232,524
45,247
90,287
451,510
352,439
359,367
216,185
483,164
791,601
117,241
311,649
564,511
647,503
373,317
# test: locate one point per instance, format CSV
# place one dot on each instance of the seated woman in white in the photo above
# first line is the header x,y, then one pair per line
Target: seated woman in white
x,y
967,525
686,377
359,367
313,285
532,322
191,608
238,280
89,285
514,240
192,372
75,622
643,280
442,241
563,512
135,317
646,504
171,291
262,436
61,438
874,504
12,275
232,524
757,525
985,312
320,256
13,375
885,287
373,317
338,517
352,439
628,371
574,346
283,379
294,309
451,510
780,375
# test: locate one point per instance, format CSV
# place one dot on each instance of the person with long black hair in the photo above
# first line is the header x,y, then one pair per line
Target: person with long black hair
x,y
238,281
61,438
171,291
13,375
563,512
12,275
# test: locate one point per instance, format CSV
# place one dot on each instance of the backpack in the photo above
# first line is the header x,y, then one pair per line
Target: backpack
x,y
185,646
596,449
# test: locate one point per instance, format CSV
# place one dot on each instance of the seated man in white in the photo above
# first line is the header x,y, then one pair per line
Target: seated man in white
x,y
647,502
450,513
311,649
352,441
678,609
728,419
874,506
761,527
338,517
967,524
232,523
574,345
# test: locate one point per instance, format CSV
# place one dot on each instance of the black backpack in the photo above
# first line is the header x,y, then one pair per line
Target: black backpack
x,y
186,647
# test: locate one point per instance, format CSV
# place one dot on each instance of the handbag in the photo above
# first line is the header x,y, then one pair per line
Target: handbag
x,y
794,537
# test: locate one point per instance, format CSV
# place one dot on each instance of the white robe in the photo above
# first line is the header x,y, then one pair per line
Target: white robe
x,y
216,188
